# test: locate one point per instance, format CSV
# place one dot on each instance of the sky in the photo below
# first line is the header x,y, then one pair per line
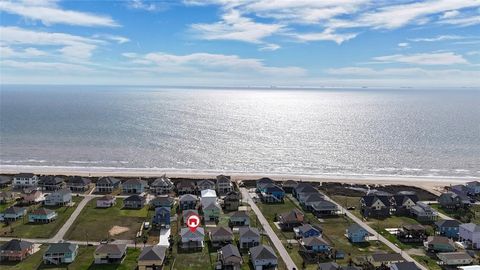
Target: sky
x,y
294,43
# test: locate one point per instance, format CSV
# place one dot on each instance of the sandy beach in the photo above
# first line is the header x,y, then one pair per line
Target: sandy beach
x,y
433,184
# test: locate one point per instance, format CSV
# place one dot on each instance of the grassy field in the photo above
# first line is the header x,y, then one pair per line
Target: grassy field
x,y
428,262
21,228
94,223
84,260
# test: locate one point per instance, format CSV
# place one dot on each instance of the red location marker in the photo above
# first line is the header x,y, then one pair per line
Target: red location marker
x,y
193,221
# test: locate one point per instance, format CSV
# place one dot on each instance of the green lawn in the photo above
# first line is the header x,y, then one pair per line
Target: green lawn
x,y
470,215
94,223
21,228
428,262
4,206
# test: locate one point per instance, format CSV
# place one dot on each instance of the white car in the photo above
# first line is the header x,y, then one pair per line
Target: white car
x,y
146,225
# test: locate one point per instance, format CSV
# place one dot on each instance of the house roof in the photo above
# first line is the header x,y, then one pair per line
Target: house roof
x,y
230,251
405,266
135,182
232,194
79,180
186,232
314,197
355,228
16,245
162,181
240,214
264,180
5,179
262,252
187,213
63,191
221,232
162,200
111,248
188,197
211,206
64,247
323,205
248,232
14,210
314,241
307,227
369,200
291,216
402,196
471,227
185,184
108,180
162,209
106,198
208,193
134,198
328,266
153,253
274,188
51,180
206,182
454,255
25,175
473,183
42,211
447,223
436,240
387,257
223,178
290,183
305,188
413,227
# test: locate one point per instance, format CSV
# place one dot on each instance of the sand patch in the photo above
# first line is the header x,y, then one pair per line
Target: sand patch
x,y
115,230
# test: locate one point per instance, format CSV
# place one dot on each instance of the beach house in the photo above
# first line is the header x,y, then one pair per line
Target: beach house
x,y
23,180
439,244
315,244
188,201
273,194
424,212
454,258
228,257
231,201
357,234
134,186
106,201
51,183
162,201
211,212
263,257
161,217
404,201
223,184
185,187
307,230
205,184
107,184
473,187
58,253
239,218
289,185
110,253
220,236
290,219
78,184
451,200
59,197
310,198
162,185
412,233
248,237
263,183
208,196
31,196
386,259
14,213
16,250
151,258
377,205
134,202
447,227
303,190
192,239
470,234
187,213
324,208
42,215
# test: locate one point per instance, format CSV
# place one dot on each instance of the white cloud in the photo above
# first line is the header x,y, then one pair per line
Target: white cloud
x,y
48,12
44,66
327,34
450,14
442,58
118,39
403,44
148,5
7,52
269,47
473,53
71,46
437,38
463,21
206,62
234,26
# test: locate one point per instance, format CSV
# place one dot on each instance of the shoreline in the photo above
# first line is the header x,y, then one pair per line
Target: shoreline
x,y
431,183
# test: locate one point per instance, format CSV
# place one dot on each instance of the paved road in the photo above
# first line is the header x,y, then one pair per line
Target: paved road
x,y
275,240
61,233
380,237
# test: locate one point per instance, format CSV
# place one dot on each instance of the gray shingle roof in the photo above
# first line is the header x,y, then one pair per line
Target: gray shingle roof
x,y
249,232
448,223
387,257
61,248
14,210
406,266
240,214
472,227
152,253
229,251
42,211
262,252
111,248
188,197
314,241
16,245
134,198
221,232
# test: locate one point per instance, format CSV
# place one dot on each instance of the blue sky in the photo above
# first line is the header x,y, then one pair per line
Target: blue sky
x,y
339,43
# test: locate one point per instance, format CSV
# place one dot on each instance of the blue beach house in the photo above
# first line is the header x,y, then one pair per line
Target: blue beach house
x,y
447,228
162,216
357,234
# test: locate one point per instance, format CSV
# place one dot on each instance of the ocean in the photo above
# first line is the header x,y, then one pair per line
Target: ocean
x,y
293,131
